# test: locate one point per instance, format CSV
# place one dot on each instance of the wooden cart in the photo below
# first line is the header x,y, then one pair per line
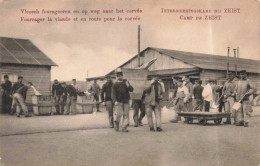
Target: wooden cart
x,y
203,117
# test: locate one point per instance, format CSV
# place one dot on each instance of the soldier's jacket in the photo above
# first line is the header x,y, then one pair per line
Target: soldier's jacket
x,y
242,87
229,88
16,86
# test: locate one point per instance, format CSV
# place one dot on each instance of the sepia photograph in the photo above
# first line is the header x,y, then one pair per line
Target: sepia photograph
x,y
130,83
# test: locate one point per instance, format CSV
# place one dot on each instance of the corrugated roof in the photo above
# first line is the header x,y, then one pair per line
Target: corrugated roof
x,y
214,62
22,51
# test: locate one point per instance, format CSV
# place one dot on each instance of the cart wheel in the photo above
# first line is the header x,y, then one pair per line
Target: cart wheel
x,y
203,122
189,121
218,121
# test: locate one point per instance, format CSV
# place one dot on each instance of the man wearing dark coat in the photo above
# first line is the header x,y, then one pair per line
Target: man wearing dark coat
x,y
14,88
6,99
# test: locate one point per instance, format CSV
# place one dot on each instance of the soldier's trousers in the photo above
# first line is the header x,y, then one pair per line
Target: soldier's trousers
x,y
59,104
122,109
244,113
20,103
189,106
109,108
7,102
228,107
198,104
149,113
137,104
71,105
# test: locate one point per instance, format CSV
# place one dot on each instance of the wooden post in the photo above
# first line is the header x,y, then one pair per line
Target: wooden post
x,y
227,61
139,63
235,60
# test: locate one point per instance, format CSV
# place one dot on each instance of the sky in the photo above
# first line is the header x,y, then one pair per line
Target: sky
x,y
89,49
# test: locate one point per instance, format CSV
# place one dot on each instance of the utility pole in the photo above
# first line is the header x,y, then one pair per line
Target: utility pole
x,y
227,61
139,63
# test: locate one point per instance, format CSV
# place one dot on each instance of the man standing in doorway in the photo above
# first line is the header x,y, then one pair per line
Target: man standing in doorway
x,y
107,100
6,99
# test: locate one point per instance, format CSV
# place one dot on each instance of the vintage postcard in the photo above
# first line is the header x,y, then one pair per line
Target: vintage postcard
x,y
130,82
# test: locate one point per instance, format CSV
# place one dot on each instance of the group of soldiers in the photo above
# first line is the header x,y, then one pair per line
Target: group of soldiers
x,y
115,96
14,96
65,96
235,89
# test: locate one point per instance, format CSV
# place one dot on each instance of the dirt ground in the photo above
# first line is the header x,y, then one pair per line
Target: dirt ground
x,y
178,144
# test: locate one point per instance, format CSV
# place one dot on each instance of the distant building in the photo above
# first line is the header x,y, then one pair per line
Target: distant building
x,y
195,65
22,57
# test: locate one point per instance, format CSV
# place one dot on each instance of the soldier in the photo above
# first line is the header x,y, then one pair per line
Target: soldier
x,y
152,97
19,98
175,86
95,91
189,85
181,98
229,96
16,86
107,100
58,94
188,104
6,99
120,97
74,83
138,105
198,99
71,99
243,90
207,95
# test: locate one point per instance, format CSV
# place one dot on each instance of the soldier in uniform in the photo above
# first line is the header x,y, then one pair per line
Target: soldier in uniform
x,y
16,86
107,100
95,91
229,96
19,98
188,104
181,98
120,97
71,94
6,99
243,90
198,99
189,85
58,94
152,97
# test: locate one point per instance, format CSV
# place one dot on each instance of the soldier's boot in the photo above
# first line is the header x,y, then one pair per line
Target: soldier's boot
x,y
159,129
